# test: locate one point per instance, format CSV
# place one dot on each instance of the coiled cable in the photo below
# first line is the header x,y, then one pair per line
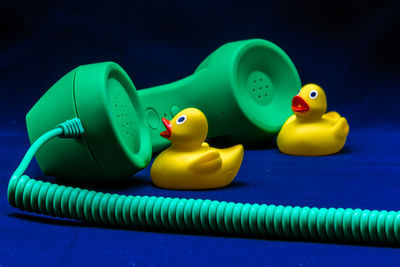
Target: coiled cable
x,y
302,223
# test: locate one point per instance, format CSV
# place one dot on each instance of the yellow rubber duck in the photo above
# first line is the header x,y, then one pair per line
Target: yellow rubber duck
x,y
190,163
311,131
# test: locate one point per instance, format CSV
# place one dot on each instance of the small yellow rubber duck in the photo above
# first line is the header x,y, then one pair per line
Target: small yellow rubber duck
x,y
311,131
190,163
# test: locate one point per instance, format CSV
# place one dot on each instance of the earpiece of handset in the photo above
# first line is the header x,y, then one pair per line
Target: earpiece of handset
x,y
116,142
244,88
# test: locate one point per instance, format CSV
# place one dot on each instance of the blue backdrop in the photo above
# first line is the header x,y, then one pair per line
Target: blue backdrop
x,y
350,48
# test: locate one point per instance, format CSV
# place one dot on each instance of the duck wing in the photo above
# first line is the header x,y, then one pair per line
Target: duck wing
x,y
207,162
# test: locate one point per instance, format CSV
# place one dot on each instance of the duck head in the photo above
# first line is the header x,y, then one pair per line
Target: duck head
x,y
187,130
310,103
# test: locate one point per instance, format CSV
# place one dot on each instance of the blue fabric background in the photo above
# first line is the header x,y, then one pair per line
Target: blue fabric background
x,y
351,48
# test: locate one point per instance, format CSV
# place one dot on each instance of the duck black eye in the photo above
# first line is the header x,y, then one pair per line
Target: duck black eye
x,y
181,119
313,94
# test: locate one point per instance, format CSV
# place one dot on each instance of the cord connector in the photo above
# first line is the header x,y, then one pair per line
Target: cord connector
x,y
71,128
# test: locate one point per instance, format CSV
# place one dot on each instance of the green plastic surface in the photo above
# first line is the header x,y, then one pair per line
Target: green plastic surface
x,y
244,88
116,143
176,214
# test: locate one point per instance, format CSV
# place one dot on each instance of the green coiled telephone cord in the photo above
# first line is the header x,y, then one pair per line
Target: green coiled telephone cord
x,y
302,223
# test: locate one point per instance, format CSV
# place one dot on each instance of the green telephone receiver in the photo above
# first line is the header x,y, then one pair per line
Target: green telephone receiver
x,y
244,88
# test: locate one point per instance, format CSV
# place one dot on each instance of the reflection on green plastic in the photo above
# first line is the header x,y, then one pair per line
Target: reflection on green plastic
x,y
196,215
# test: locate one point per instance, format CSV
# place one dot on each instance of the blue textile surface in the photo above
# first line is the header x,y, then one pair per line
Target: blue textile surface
x,y
349,47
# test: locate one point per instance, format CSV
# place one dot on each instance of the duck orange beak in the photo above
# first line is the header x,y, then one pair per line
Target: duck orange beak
x,y
168,132
299,104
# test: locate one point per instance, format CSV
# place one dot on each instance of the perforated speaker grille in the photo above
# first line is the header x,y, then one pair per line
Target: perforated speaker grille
x,y
124,114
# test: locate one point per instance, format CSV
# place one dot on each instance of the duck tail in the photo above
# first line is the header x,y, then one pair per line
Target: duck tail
x,y
341,128
234,154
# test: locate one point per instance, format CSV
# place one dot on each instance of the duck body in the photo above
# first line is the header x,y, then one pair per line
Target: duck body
x,y
202,168
311,131
190,163
315,138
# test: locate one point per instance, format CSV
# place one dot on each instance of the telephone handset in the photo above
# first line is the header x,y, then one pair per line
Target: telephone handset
x,y
244,88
